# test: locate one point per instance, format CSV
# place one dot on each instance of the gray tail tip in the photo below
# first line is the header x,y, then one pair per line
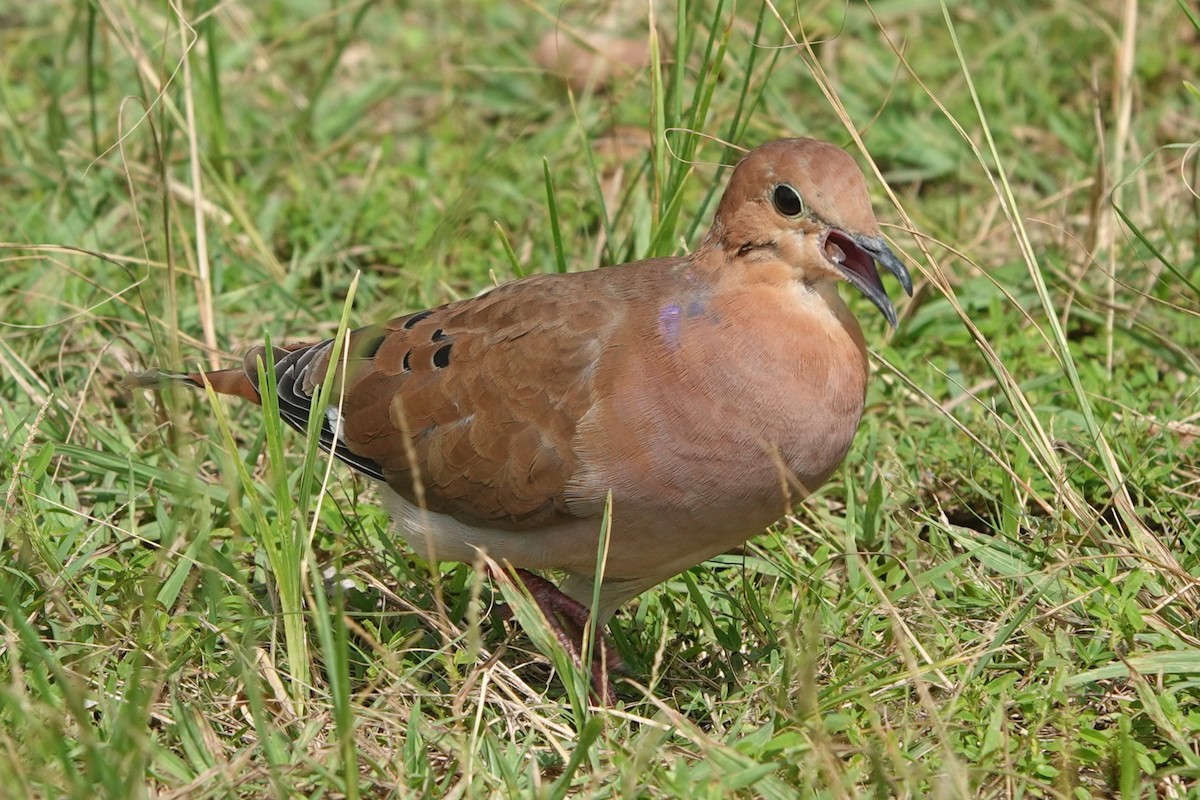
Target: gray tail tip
x,y
152,379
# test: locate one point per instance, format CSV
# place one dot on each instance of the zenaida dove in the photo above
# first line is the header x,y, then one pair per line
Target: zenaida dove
x,y
709,393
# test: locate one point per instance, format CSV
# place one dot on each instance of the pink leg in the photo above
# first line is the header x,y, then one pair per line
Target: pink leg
x,y
568,619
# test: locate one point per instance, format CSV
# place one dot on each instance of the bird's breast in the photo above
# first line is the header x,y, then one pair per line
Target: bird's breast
x,y
722,414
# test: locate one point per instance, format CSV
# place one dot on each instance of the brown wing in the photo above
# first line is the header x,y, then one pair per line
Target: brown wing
x,y
475,402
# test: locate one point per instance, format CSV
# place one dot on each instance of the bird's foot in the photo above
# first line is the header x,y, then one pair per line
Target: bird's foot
x,y
568,620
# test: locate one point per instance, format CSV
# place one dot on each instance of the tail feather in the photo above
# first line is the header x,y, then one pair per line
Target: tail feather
x,y
226,381
299,369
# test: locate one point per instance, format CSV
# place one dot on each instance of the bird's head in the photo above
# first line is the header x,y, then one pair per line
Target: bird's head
x,y
803,204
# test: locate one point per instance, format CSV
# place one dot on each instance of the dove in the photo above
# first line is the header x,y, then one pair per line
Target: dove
x,y
707,394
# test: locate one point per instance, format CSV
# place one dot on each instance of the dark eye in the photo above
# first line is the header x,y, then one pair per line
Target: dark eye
x,y
787,201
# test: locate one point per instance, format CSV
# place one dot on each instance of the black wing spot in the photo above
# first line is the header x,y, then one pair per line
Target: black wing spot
x,y
404,364
437,336
442,357
415,318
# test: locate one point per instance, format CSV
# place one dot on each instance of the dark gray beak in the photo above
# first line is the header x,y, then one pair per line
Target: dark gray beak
x,y
856,257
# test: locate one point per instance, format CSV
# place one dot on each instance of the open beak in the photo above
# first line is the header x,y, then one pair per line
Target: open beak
x,y
855,256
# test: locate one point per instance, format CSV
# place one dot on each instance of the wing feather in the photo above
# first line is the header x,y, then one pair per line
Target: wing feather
x,y
480,398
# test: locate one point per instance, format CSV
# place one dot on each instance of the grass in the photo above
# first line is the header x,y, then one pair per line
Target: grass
x,y
996,597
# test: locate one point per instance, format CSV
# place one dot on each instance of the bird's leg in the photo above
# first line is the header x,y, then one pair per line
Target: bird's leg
x,y
568,620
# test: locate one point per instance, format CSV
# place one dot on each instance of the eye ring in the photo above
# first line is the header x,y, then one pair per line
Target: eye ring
x,y
787,201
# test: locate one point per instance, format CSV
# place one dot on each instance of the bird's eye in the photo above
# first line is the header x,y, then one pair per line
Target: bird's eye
x,y
787,201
